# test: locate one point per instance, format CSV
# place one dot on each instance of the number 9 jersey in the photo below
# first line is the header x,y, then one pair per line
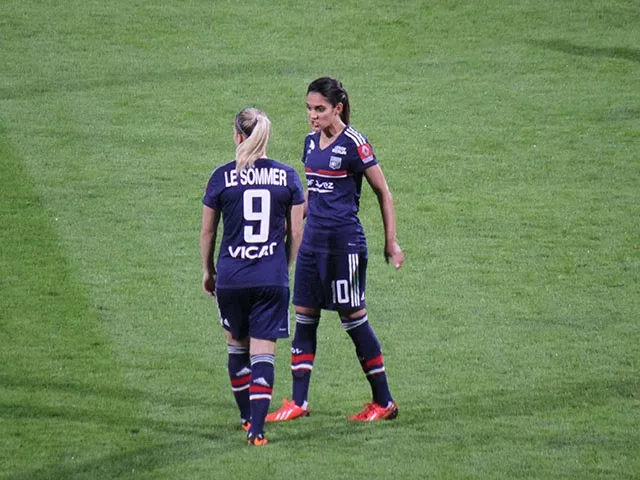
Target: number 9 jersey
x,y
254,204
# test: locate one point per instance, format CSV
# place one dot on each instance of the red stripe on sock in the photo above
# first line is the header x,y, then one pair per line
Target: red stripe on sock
x,y
260,389
238,382
305,357
373,362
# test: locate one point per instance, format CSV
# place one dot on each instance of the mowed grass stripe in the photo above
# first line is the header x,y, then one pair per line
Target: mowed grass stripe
x,y
508,135
61,400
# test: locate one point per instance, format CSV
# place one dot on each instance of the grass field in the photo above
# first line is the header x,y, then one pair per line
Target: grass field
x,y
509,133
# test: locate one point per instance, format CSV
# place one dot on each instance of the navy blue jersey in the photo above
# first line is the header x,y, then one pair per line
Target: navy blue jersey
x,y
334,184
254,203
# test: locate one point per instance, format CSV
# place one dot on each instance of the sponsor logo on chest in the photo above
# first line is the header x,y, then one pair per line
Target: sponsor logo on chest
x,y
339,150
312,146
321,186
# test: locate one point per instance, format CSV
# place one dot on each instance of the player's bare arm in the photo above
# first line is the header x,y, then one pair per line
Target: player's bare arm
x,y
294,231
392,251
210,220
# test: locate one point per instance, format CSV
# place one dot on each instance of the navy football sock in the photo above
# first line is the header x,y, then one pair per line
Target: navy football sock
x,y
262,377
370,357
303,353
239,366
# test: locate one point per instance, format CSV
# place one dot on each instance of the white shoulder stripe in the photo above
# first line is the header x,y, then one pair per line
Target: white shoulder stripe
x,y
355,136
359,135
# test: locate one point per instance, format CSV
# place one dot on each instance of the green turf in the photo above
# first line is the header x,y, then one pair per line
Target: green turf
x,y
509,133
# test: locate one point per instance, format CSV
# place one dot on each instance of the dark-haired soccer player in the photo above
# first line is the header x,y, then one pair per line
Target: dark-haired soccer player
x,y
261,203
332,262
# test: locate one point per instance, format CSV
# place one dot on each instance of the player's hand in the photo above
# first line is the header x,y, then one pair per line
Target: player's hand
x,y
209,284
394,254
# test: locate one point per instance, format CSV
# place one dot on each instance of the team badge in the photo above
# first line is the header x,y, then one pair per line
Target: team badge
x,y
366,152
335,162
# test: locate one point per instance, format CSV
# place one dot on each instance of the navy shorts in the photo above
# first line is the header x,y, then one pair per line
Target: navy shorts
x,y
256,312
330,281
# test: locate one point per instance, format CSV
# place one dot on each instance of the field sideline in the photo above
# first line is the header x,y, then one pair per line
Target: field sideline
x,y
509,133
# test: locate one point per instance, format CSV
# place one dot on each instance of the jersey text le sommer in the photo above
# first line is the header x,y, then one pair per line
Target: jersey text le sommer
x,y
254,203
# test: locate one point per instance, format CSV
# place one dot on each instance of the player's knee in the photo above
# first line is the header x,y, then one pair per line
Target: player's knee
x,y
301,373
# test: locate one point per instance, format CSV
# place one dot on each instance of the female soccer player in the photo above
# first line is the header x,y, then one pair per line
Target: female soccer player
x,y
261,203
332,262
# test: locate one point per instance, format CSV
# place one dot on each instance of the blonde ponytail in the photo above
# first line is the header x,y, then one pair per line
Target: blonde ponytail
x,y
255,127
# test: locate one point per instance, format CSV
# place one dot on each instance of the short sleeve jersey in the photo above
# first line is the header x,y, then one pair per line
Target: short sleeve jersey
x,y
334,184
254,204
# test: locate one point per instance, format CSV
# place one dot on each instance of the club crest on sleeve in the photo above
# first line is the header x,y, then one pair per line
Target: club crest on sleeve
x,y
366,152
335,162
